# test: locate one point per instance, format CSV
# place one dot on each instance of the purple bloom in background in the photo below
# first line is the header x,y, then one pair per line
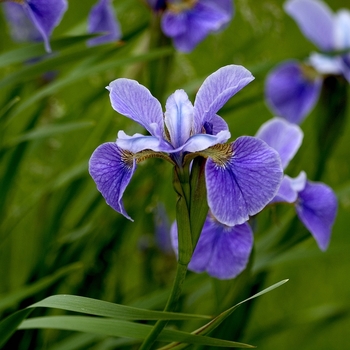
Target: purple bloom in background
x,y
188,22
292,89
315,203
241,177
222,251
290,92
34,20
102,19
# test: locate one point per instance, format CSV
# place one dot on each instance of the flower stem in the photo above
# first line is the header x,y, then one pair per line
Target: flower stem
x,y
170,306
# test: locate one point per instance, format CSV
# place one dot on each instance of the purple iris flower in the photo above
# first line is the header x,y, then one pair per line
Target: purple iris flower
x,y
102,19
222,251
315,203
34,20
293,88
241,177
188,22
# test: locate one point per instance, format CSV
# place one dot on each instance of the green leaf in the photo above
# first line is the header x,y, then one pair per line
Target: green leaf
x,y
37,49
9,325
117,328
107,309
49,130
13,298
219,319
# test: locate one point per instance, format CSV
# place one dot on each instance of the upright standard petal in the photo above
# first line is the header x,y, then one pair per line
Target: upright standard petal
x,y
315,20
135,101
112,169
290,93
179,118
222,251
216,90
46,15
102,19
283,136
244,181
317,209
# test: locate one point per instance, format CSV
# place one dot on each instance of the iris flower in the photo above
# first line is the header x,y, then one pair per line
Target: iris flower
x,y
34,20
102,19
293,88
188,22
241,177
222,251
315,202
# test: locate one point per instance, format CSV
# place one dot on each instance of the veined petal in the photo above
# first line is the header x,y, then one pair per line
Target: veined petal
x,y
315,20
102,19
179,117
135,101
46,15
112,169
201,142
289,93
245,183
289,189
283,136
222,251
216,90
139,142
317,209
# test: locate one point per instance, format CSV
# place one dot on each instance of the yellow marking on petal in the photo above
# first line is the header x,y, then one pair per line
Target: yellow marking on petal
x,y
220,153
147,153
182,6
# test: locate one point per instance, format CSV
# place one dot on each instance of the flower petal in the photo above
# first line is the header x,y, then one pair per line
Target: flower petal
x,y
216,90
139,142
289,189
289,93
189,27
201,142
317,209
46,15
112,169
179,117
133,100
222,251
283,136
315,20
325,64
245,183
102,18
21,27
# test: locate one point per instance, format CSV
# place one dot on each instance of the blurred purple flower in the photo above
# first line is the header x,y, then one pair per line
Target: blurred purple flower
x,y
241,177
102,19
34,20
292,89
188,22
291,92
222,251
315,203
162,229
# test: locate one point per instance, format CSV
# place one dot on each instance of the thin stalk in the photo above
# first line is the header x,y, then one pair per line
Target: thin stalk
x,y
170,306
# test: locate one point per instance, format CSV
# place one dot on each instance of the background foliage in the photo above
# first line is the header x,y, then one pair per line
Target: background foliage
x,y
57,235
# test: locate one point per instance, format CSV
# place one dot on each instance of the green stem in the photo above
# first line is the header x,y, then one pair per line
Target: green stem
x,y
170,306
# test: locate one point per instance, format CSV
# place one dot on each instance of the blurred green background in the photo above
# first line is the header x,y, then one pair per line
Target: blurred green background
x,y
56,229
